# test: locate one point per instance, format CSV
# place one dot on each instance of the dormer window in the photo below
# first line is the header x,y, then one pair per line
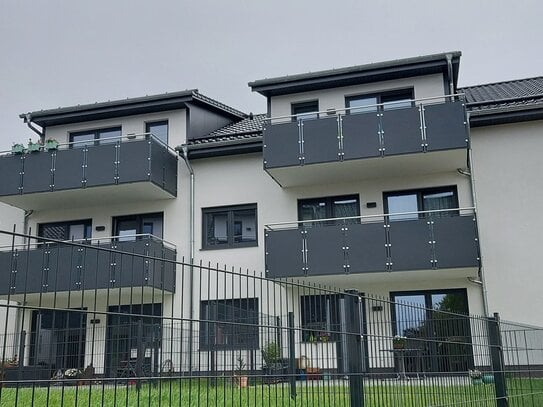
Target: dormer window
x,y
387,100
305,110
95,137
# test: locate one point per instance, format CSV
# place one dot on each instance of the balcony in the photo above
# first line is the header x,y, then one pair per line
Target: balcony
x,y
107,264
441,241
117,170
429,136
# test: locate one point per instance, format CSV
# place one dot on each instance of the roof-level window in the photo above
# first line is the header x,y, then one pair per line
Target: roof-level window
x,y
158,129
386,100
95,137
305,110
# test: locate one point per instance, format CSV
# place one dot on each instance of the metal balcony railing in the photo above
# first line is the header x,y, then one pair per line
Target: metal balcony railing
x,y
141,260
380,130
109,161
439,239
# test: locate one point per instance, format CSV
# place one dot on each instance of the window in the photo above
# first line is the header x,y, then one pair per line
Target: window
x,y
329,207
431,199
95,137
388,100
158,129
430,318
128,227
231,226
73,230
305,110
320,318
234,324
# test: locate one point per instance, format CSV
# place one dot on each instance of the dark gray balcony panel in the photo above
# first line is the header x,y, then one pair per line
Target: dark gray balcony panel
x,y
158,153
281,145
410,248
446,126
456,244
5,271
361,136
68,169
170,174
37,172
401,131
320,140
325,250
11,167
100,169
284,253
128,172
58,268
366,243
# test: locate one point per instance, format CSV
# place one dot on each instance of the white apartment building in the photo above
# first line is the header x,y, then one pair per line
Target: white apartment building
x,y
387,178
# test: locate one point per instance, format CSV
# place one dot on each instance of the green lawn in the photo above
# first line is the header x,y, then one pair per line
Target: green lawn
x,y
523,392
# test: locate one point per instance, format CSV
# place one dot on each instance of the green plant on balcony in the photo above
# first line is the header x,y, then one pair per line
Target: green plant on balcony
x,y
240,373
33,147
399,342
17,148
51,144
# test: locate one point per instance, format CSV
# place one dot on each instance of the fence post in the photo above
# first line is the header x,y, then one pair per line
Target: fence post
x,y
291,356
496,357
354,347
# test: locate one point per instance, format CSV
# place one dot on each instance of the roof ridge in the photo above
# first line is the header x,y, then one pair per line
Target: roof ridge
x,y
218,104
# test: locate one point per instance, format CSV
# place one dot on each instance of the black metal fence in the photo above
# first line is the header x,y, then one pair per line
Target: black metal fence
x,y
221,336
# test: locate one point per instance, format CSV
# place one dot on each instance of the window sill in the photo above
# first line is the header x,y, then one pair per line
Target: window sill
x,y
224,247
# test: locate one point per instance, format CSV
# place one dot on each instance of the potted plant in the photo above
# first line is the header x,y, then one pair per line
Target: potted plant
x,y
273,368
323,337
33,147
476,376
17,148
51,144
240,374
399,342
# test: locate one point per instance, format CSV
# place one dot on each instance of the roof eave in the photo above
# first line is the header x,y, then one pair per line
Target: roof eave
x,y
348,76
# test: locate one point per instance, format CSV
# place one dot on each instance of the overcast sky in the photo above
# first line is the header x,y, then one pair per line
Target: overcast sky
x,y
61,53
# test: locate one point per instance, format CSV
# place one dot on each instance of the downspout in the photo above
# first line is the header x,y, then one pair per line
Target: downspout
x,y
183,152
469,173
27,215
28,121
450,72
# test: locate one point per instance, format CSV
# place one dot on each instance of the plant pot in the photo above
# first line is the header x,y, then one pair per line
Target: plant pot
x,y
33,147
17,149
488,379
51,145
242,381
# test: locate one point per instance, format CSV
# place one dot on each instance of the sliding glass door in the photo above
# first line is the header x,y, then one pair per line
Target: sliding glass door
x,y
438,332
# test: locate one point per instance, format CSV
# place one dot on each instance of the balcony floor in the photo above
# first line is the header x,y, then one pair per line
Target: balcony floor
x,y
84,197
348,281
366,168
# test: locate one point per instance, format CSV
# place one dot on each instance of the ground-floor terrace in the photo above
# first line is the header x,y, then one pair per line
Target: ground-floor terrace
x,y
397,326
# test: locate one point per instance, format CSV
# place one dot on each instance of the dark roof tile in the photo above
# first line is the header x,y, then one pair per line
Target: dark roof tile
x,y
250,127
518,94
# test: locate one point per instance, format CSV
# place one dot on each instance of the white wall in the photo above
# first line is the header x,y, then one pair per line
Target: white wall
x,y
424,86
508,173
177,128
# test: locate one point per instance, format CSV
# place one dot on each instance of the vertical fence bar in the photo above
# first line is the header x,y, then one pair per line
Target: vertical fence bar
x,y
496,356
291,355
354,348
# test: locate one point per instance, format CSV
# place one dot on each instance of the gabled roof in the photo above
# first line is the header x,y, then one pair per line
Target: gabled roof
x,y
127,107
505,102
379,71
